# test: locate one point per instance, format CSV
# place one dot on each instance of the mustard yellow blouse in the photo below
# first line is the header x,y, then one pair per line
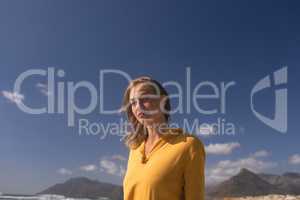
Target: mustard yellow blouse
x,y
173,170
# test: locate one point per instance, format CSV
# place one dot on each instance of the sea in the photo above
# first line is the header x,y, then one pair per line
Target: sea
x,y
44,197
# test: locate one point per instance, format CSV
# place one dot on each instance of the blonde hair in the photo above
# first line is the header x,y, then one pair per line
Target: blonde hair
x,y
139,133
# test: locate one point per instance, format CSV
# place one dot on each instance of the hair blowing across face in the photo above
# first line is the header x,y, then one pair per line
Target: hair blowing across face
x,y
139,133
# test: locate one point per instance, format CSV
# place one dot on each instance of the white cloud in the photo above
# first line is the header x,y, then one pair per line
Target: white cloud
x,y
122,170
261,153
88,168
206,130
43,88
227,168
64,171
109,166
118,157
221,149
13,97
114,165
294,159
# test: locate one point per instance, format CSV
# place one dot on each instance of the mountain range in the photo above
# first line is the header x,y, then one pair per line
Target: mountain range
x,y
245,183
248,183
83,187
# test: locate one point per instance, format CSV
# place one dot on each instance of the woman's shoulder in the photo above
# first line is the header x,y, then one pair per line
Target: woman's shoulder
x,y
193,144
193,141
188,141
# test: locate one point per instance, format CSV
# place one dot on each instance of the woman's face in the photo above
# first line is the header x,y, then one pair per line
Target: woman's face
x,y
147,107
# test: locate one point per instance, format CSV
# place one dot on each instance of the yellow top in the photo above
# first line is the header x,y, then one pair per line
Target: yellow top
x,y
173,170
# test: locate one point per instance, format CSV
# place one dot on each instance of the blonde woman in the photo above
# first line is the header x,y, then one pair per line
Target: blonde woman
x,y
164,163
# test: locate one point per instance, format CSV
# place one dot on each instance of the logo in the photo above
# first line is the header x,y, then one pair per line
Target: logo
x,y
279,122
62,99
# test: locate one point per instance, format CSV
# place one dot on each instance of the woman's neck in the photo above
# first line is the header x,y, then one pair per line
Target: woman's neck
x,y
154,133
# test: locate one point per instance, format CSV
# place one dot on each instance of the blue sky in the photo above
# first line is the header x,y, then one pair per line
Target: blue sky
x,y
240,41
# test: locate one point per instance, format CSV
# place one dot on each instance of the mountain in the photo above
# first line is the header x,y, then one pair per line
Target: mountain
x,y
85,188
245,183
288,182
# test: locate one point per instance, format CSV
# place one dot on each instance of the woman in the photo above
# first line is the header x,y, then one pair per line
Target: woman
x,y
164,163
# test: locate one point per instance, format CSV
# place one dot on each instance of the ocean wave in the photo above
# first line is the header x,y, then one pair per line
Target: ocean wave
x,y
44,197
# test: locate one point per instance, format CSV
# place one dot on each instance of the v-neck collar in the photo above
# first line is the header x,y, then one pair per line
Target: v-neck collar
x,y
163,139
